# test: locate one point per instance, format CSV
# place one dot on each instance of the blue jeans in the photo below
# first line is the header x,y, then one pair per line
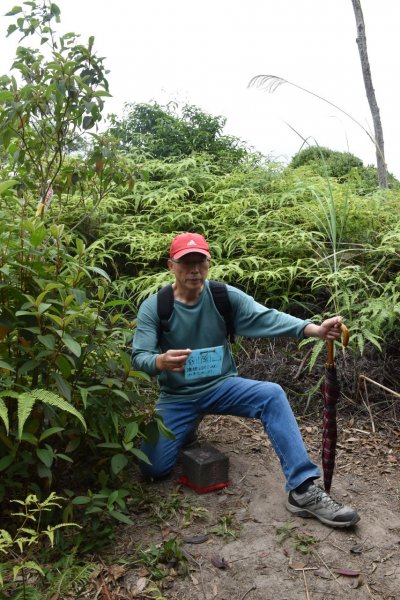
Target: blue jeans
x,y
242,398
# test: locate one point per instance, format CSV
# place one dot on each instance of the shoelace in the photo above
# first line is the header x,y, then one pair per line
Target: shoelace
x,y
319,495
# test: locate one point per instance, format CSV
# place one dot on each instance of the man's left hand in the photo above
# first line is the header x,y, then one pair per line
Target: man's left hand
x,y
328,330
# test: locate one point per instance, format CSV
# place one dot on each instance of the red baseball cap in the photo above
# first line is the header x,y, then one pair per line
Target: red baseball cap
x,y
185,243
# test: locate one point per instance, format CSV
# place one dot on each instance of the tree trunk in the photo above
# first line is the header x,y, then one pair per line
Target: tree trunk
x,y
366,71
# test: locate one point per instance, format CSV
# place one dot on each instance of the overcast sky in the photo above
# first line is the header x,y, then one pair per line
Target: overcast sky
x,y
205,53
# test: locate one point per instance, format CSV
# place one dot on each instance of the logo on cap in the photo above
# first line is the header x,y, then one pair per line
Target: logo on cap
x,y
184,243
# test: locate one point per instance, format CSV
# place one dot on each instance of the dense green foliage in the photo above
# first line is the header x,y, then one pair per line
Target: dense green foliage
x,y
295,240
50,100
341,166
316,238
336,164
70,413
165,132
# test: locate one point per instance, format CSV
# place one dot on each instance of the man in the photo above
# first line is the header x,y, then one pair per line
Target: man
x,y
195,323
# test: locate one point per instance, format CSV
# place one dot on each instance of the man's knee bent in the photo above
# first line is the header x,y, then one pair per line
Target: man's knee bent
x,y
162,459
272,391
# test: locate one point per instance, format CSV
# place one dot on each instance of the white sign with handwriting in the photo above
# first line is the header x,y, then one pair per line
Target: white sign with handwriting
x,y
204,362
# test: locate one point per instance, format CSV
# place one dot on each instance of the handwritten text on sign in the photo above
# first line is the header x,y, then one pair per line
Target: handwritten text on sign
x,y
204,362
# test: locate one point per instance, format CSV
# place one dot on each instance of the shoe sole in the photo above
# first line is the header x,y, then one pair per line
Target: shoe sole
x,y
307,514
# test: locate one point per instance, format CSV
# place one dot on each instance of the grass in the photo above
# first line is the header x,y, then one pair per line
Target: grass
x,y
226,527
302,542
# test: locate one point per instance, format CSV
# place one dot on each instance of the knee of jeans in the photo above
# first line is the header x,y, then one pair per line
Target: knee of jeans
x,y
275,395
274,391
279,390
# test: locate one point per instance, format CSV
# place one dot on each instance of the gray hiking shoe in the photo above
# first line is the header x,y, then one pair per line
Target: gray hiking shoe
x,y
318,504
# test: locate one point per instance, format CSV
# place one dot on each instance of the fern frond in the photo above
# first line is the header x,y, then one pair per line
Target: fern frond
x,y
316,351
4,415
28,399
73,578
27,592
25,405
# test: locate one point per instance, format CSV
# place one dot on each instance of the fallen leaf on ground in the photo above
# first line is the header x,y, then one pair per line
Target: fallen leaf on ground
x,y
322,574
296,565
116,571
196,539
141,584
218,562
357,549
346,572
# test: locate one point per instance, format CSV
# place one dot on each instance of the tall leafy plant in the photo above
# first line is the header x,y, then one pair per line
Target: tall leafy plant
x,y
54,95
64,341
170,131
63,354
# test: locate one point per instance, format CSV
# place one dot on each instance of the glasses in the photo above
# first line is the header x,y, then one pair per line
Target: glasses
x,y
191,264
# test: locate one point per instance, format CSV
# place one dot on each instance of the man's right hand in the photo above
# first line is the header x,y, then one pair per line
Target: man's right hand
x,y
172,360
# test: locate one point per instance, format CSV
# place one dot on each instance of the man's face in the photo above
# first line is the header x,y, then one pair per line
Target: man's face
x,y
190,271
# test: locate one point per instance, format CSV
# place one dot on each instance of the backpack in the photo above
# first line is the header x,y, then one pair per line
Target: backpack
x,y
219,292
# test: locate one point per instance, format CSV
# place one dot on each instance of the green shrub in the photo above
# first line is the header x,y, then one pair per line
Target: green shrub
x,y
165,132
64,336
327,162
344,166
64,356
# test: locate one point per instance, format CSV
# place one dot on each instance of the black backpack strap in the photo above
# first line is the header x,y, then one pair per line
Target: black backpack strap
x,y
219,292
165,306
221,300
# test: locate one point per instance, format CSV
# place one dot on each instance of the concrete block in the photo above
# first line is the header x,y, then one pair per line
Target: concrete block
x,y
205,466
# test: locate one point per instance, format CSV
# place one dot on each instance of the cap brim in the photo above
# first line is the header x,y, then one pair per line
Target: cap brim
x,y
185,251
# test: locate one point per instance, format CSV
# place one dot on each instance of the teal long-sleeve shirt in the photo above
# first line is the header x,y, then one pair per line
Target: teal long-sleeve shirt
x,y
201,326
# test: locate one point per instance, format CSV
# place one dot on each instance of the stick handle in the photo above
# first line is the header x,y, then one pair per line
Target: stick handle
x,y
345,335
330,359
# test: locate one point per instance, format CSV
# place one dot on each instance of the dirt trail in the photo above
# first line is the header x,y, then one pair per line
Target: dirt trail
x,y
265,560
